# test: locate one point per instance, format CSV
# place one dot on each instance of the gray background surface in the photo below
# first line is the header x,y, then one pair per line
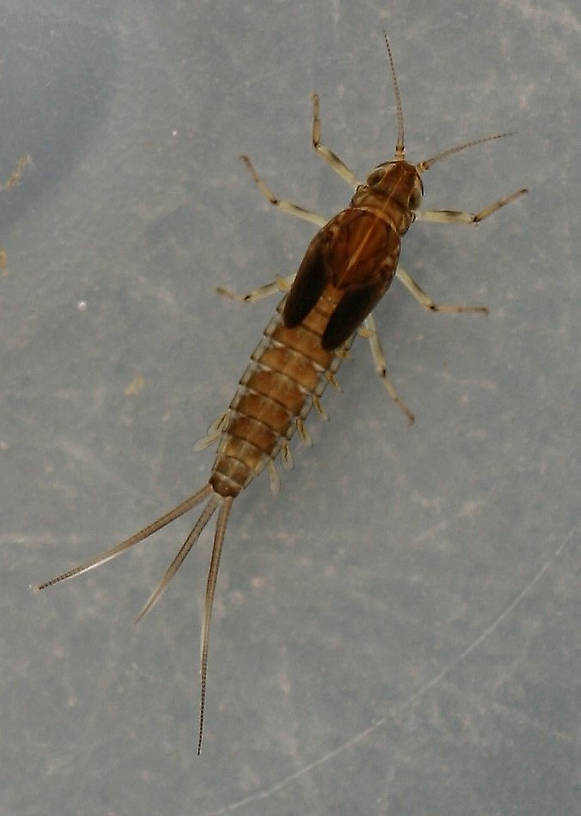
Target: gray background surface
x,y
397,632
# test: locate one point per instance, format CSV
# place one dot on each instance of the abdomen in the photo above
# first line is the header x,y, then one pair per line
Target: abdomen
x,y
287,373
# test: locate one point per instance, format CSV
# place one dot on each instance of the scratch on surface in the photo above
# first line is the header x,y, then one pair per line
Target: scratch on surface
x,y
544,19
561,15
87,457
470,509
407,703
135,386
431,532
25,540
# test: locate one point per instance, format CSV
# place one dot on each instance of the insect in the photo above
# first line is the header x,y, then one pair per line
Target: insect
x,y
347,268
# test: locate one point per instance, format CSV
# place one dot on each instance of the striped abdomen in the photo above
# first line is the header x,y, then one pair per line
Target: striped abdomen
x,y
288,372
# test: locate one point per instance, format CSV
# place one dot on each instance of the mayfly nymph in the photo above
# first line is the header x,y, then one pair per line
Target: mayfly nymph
x,y
347,268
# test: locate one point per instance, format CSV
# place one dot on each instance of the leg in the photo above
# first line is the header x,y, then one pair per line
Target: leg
x,y
325,153
285,206
459,217
370,331
427,302
277,285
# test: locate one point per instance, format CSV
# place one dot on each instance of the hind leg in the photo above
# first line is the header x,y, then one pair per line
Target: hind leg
x,y
370,331
277,285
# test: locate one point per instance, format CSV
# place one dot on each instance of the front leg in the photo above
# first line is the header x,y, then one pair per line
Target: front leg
x,y
461,217
332,159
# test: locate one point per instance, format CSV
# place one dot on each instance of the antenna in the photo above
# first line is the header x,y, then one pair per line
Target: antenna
x,y
399,145
424,165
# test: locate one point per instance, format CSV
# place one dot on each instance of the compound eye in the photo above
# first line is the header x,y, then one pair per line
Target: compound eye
x,y
376,177
416,197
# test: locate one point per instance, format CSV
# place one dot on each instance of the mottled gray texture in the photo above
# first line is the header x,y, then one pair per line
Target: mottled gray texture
x,y
398,632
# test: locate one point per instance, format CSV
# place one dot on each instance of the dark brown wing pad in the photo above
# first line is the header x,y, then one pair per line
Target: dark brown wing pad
x,y
309,282
349,314
354,258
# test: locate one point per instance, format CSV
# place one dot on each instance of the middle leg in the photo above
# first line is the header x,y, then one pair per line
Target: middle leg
x,y
282,204
461,217
426,301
